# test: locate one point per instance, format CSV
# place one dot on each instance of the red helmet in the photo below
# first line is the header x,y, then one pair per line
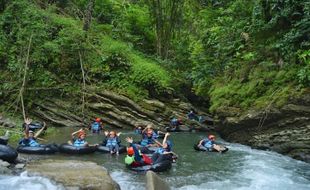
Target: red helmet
x,y
98,119
130,151
211,137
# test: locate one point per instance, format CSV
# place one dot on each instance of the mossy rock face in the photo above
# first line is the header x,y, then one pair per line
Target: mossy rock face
x,y
285,130
74,174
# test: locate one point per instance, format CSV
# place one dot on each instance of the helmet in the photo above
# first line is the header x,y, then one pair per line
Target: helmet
x,y
98,119
130,151
129,160
211,137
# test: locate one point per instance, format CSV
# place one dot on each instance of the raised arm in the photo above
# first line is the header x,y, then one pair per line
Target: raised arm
x,y
27,122
165,138
74,133
40,131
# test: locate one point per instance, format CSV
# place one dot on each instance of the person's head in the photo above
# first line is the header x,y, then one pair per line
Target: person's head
x,y
82,135
31,134
130,151
97,119
149,132
211,137
112,134
179,120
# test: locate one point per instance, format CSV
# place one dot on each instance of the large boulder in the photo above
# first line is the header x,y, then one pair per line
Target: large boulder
x,y
74,174
154,182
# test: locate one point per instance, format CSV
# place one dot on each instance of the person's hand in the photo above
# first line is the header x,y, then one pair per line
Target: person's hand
x,y
28,121
106,133
167,134
129,139
118,134
44,125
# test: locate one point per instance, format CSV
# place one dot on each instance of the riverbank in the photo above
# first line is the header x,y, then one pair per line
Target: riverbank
x,y
285,130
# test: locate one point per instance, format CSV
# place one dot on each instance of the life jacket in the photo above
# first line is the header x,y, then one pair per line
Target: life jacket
x,y
155,135
147,141
95,126
160,150
144,161
207,143
112,141
79,142
31,142
174,122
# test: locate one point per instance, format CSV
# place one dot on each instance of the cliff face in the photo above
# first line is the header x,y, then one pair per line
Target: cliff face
x,y
285,130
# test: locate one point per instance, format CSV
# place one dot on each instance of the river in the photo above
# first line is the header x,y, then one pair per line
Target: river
x,y
239,168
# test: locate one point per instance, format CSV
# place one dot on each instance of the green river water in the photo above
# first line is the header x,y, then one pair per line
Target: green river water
x,y
239,168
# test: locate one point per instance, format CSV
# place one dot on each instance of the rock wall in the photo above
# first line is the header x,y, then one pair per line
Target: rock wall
x,y
115,110
285,130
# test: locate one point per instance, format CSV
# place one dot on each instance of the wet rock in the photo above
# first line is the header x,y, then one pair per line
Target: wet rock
x,y
5,122
74,174
5,171
19,166
285,130
4,163
154,182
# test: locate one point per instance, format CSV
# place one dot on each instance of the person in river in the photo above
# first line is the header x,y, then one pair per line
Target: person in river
x,y
149,137
164,152
96,126
78,138
30,139
113,142
208,144
175,123
192,115
134,158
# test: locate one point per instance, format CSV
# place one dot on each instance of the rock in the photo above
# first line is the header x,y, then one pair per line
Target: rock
x,y
285,130
74,174
154,182
19,166
4,164
5,171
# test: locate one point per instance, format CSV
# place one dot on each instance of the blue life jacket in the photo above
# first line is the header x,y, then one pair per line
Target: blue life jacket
x,y
174,122
112,141
155,135
95,126
207,143
29,142
79,142
147,141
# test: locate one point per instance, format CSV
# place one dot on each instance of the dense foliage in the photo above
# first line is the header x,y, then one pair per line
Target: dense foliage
x,y
240,53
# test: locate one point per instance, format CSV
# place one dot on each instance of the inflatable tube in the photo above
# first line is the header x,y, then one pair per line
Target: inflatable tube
x,y
148,150
7,153
105,149
159,167
42,149
69,149
33,126
198,149
4,140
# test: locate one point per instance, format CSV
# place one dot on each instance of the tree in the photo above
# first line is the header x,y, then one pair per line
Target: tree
x,y
166,15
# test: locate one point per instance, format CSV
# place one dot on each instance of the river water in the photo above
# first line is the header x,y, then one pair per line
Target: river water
x,y
239,168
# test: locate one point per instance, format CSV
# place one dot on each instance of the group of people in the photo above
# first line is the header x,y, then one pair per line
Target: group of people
x,y
149,150
139,153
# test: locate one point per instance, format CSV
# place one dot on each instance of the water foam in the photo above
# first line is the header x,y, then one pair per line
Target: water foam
x,y
24,182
